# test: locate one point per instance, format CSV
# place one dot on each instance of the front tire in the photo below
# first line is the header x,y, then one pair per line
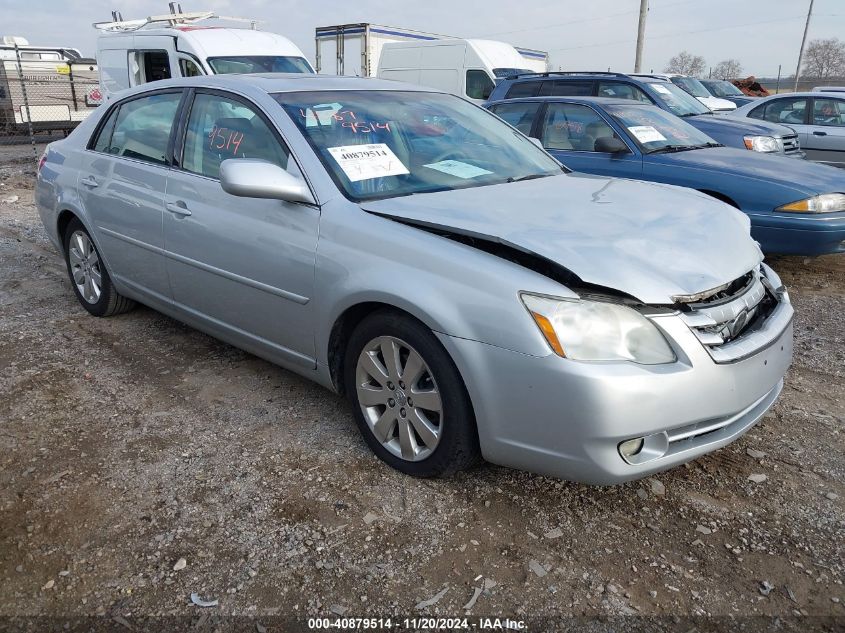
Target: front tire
x,y
88,275
408,399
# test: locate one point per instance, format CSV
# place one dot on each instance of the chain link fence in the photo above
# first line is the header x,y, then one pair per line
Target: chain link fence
x,y
42,100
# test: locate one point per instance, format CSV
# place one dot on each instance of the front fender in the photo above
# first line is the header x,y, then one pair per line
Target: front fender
x,y
453,288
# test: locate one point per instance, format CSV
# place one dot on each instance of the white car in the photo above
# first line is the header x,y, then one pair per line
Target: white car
x,y
697,90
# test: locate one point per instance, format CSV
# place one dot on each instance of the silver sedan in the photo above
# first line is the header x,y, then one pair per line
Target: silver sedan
x,y
403,247
817,117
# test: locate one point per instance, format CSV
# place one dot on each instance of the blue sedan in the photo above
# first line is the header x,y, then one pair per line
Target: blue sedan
x,y
796,207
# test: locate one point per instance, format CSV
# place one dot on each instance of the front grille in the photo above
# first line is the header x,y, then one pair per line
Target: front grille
x,y
791,145
731,316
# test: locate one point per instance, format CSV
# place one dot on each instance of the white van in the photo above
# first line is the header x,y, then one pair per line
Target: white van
x,y
468,68
134,52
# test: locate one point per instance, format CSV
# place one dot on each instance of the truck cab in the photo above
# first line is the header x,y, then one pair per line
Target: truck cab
x,y
135,52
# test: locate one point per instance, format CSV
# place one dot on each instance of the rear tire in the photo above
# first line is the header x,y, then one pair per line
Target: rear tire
x,y
408,398
88,275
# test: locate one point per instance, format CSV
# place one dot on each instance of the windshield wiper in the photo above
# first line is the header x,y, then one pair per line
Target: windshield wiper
x,y
669,149
528,177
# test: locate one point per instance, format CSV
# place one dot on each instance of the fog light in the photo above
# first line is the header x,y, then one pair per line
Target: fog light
x,y
629,448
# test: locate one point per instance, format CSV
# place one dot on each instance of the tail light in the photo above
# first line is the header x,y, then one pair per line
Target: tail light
x,y
41,161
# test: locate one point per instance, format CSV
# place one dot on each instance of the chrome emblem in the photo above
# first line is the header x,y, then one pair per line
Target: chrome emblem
x,y
401,398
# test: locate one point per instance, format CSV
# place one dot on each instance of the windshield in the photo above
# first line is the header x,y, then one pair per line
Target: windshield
x,y
656,130
691,85
258,64
723,88
501,73
385,143
676,100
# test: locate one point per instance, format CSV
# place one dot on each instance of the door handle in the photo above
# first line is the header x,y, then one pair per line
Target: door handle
x,y
819,133
90,181
178,207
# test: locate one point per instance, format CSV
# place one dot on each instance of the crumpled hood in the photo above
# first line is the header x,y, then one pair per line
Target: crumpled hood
x,y
648,240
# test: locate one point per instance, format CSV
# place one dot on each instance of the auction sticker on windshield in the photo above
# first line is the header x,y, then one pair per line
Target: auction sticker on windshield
x,y
363,162
662,89
458,169
646,134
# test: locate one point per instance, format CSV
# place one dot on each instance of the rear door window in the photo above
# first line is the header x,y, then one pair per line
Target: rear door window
x,y
788,110
143,126
519,115
565,88
524,89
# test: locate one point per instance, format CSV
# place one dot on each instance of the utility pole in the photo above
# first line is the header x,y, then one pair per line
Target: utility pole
x,y
803,41
638,60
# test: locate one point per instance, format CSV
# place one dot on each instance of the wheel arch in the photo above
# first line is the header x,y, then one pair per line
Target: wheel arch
x,y
342,329
720,196
63,220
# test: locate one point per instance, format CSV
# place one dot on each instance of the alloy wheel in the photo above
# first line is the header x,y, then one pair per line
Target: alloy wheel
x,y
85,267
399,398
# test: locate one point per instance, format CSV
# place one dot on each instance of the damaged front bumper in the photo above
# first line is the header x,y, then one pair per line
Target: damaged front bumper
x,y
567,418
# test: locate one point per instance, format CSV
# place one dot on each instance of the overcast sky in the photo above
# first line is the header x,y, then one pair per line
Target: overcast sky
x,y
579,35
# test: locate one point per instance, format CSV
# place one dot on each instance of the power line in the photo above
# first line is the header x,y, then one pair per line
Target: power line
x,y
560,24
593,19
679,33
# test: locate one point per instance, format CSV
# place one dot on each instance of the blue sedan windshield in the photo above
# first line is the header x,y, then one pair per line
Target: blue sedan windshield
x,y
385,143
655,130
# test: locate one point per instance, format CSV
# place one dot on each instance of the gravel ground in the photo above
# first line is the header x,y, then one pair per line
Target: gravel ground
x,y
142,461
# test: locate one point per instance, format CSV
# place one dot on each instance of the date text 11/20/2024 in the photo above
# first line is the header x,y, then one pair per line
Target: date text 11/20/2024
x,y
417,624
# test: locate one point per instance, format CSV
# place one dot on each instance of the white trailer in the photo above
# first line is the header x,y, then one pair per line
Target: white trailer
x,y
44,87
356,49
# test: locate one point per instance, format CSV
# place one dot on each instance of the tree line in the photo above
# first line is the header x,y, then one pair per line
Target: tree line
x,y
823,59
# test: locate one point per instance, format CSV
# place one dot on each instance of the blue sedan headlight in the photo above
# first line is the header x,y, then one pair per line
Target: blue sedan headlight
x,y
825,203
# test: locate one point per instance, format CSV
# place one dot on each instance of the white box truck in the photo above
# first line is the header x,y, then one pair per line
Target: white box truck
x,y
179,44
466,67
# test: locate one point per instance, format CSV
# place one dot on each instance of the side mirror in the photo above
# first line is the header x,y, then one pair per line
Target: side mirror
x,y
611,145
253,178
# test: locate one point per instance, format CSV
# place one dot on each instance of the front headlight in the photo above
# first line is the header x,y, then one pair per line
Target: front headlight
x,y
762,143
824,203
595,330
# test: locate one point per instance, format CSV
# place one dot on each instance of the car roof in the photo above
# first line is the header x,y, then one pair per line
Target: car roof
x,y
589,74
824,95
576,99
281,82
